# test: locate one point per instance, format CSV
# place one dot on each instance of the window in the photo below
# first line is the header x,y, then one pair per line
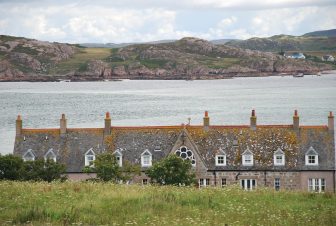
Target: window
x,y
50,155
185,153
277,184
90,157
28,156
248,184
223,182
311,157
247,159
146,159
279,158
220,160
144,181
316,184
204,182
118,157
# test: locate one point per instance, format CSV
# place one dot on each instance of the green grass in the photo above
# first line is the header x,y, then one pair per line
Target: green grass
x,y
103,203
217,63
80,58
154,63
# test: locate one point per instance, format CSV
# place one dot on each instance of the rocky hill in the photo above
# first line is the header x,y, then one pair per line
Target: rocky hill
x,y
325,33
288,43
189,58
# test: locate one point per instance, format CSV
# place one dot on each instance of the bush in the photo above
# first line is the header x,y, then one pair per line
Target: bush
x,y
10,167
107,168
40,170
172,171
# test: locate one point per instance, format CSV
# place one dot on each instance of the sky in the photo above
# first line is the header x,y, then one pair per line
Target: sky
x,y
118,21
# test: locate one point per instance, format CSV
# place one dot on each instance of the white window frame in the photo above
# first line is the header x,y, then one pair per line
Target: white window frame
x,y
245,154
277,183
30,151
144,181
118,157
223,182
224,160
203,182
282,163
87,160
316,185
146,154
315,163
311,153
54,157
247,184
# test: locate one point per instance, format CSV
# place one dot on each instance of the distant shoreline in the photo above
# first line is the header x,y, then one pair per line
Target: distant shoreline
x,y
68,78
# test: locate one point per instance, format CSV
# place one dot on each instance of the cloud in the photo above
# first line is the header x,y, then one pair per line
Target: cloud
x,y
147,20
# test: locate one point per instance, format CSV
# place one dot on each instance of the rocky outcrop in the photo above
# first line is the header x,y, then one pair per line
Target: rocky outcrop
x,y
188,58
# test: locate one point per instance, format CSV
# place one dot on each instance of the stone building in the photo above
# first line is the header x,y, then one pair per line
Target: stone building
x,y
292,157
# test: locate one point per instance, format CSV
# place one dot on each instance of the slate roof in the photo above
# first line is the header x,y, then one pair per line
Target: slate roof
x,y
131,142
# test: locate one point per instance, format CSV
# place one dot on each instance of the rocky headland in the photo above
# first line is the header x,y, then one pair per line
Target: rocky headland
x,y
24,59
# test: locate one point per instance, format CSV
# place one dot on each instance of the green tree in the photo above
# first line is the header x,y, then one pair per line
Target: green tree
x,y
43,170
10,167
107,168
172,171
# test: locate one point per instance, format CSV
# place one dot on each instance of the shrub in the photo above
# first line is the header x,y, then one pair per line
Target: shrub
x,y
10,167
172,171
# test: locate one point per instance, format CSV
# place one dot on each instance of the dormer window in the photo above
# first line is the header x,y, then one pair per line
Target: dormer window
x,y
146,159
220,158
311,157
247,158
279,158
90,157
118,157
28,156
50,155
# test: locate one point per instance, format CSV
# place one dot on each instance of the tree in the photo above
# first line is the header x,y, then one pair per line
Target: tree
x,y
107,168
43,170
10,167
172,171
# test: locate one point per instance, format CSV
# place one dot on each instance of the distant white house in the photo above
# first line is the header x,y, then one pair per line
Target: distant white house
x,y
296,56
328,58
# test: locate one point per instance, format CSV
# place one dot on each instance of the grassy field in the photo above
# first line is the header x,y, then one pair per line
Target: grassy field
x,y
79,59
87,203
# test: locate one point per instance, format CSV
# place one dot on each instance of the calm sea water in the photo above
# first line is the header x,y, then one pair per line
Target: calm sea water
x,y
165,102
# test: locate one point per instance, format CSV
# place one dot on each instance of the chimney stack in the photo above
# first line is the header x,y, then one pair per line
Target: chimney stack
x,y
63,125
331,122
107,129
18,126
296,121
253,120
206,120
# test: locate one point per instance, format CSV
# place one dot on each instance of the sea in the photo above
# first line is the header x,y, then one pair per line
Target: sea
x,y
165,102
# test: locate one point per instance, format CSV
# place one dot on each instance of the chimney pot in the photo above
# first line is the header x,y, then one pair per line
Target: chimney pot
x,y
107,129
63,124
331,122
296,121
206,120
253,120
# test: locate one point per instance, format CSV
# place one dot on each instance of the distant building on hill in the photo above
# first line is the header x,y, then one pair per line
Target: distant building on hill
x,y
329,58
291,157
296,56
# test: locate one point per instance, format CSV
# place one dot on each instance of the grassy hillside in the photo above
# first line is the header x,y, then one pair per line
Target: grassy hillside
x,y
80,59
73,203
287,43
326,33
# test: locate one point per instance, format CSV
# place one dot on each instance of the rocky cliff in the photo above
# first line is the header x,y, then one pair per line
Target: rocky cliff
x,y
188,58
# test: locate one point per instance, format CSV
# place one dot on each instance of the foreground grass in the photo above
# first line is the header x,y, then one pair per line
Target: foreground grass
x,y
107,204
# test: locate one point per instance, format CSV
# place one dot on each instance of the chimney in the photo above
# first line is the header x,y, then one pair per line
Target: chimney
x,y
63,125
206,120
107,129
18,126
253,121
331,122
296,121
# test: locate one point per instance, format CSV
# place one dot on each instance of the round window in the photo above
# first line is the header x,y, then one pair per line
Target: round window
x,y
185,153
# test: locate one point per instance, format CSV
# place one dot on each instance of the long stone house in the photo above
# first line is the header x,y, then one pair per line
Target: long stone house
x,y
291,157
